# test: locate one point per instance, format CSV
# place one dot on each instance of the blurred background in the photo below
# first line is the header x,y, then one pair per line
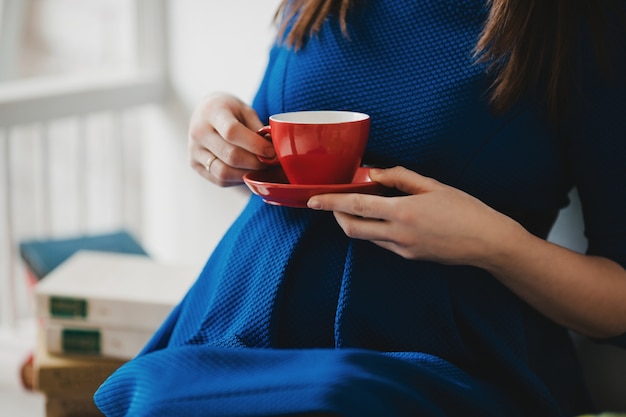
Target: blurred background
x,y
95,97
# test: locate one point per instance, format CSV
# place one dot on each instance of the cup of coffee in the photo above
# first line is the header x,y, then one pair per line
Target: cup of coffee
x,y
317,147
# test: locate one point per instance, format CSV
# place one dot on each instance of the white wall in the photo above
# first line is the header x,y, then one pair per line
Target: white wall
x,y
219,45
214,45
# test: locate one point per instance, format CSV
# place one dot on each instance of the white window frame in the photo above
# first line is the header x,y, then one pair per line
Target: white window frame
x,y
29,100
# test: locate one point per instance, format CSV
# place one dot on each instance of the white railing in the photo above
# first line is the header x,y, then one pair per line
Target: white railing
x,y
70,164
69,154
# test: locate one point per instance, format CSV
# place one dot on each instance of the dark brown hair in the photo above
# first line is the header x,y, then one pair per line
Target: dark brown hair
x,y
530,45
307,17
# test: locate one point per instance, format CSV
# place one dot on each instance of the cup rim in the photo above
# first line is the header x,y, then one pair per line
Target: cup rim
x,y
319,117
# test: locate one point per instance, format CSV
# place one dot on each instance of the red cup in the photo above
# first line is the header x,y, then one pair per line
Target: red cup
x,y
317,147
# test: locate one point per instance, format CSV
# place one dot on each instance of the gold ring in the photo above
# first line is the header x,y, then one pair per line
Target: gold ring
x,y
209,162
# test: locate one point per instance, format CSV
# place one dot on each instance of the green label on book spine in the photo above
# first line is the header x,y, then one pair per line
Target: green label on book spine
x,y
66,307
81,341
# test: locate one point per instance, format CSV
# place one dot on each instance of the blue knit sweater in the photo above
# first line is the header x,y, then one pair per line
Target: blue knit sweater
x,y
289,315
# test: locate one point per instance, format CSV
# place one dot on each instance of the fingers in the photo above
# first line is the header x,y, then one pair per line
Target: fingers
x,y
372,206
238,129
362,205
212,168
361,216
404,180
363,228
222,136
382,220
236,123
230,150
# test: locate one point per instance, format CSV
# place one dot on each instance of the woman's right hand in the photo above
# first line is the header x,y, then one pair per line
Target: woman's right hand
x,y
222,140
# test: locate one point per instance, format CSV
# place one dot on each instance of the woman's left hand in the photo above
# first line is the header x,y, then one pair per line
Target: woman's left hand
x,y
433,222
439,223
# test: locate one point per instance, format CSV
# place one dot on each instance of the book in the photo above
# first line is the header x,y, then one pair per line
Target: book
x,y
81,339
72,406
69,376
112,290
42,256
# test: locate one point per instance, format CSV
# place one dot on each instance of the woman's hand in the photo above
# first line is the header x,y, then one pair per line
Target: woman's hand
x,y
433,222
439,223
222,140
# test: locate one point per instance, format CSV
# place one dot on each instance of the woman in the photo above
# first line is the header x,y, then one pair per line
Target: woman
x,y
446,299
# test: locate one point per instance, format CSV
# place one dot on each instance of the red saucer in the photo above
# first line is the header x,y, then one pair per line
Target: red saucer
x,y
273,187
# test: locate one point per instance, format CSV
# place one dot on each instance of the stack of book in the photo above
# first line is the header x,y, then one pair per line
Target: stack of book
x,y
42,255
97,310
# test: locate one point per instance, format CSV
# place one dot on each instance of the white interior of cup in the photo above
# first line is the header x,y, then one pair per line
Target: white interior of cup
x,y
319,116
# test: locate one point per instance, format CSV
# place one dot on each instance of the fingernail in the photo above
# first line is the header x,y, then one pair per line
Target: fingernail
x,y
314,203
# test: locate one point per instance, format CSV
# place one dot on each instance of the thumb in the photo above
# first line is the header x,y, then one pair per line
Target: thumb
x,y
402,179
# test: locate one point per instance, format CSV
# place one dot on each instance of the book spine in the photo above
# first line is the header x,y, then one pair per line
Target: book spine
x,y
59,380
120,313
106,342
76,405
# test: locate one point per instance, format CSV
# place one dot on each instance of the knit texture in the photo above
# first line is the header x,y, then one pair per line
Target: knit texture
x,y
289,315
